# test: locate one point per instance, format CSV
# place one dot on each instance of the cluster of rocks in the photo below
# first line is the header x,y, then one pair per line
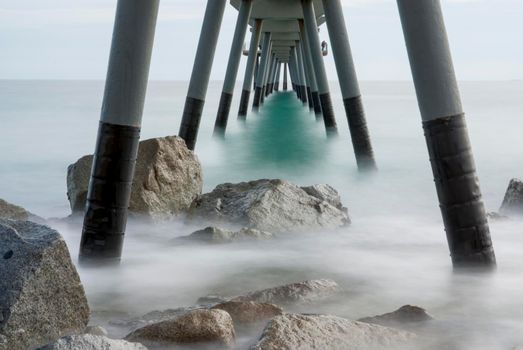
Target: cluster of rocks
x,y
261,315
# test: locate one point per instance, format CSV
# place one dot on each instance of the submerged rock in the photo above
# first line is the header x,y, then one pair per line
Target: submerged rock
x,y
271,205
10,211
153,317
197,327
319,332
92,342
406,314
248,313
301,292
217,235
513,201
41,298
168,177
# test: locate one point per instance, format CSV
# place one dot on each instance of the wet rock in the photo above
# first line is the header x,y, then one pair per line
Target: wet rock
x,y
41,298
319,332
211,300
197,327
325,193
10,211
513,201
271,205
153,317
217,235
247,313
96,330
168,177
406,314
301,292
92,342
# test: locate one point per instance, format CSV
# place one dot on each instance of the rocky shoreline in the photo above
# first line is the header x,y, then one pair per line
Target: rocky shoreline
x,y
43,304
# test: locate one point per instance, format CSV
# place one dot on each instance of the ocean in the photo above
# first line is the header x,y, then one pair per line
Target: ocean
x,y
393,253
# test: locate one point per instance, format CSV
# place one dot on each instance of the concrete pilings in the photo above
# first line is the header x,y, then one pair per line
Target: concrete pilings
x,y
265,56
285,74
349,85
119,131
450,152
250,68
201,72
222,116
311,30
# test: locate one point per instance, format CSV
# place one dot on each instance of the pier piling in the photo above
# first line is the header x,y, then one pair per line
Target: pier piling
x,y
119,131
450,152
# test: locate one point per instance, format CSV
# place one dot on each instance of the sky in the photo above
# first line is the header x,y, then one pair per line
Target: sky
x,y
70,39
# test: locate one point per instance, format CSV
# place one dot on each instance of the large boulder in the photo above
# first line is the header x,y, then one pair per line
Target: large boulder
x,y
41,296
91,342
405,315
300,292
168,177
217,235
319,332
271,205
513,201
197,327
10,211
248,313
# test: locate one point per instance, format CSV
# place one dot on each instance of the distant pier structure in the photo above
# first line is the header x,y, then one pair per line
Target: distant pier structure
x,y
284,33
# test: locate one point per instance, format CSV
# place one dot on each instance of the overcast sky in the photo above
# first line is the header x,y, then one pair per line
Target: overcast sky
x,y
70,39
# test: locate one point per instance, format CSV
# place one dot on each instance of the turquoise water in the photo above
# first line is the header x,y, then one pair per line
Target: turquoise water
x,y
394,253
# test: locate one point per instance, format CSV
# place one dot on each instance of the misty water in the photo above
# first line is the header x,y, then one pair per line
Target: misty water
x,y
394,252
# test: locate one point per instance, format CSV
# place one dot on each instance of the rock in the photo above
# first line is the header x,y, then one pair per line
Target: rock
x,y
213,234
404,315
307,332
325,193
247,313
96,330
168,177
196,327
41,298
92,342
270,205
513,201
10,211
301,292
153,317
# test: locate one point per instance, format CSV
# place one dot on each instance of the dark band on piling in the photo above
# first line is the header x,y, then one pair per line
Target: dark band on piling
x,y
257,97
317,103
359,133
109,191
328,113
223,113
191,121
458,191
309,98
244,104
303,94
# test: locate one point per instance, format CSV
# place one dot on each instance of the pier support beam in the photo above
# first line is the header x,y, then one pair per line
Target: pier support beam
x,y
303,77
446,134
265,55
192,113
119,131
285,81
277,80
250,68
349,86
311,29
224,108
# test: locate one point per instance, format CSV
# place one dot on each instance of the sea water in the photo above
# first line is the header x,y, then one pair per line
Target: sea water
x,y
393,253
